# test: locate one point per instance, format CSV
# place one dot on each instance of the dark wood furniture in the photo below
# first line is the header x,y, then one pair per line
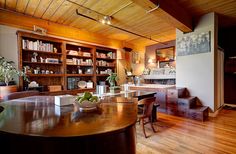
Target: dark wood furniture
x,y
145,116
21,94
172,106
36,125
176,101
180,103
61,64
160,93
133,96
198,113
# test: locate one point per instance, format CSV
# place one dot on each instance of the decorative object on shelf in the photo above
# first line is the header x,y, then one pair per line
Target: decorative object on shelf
x,y
34,58
80,71
40,30
33,84
82,84
89,84
73,52
8,71
41,60
54,50
146,71
89,71
128,72
27,69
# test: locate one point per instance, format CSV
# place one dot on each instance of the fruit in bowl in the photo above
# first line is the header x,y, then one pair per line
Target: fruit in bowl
x,y
87,102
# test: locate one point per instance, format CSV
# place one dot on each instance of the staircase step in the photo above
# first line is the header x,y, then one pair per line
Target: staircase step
x,y
187,102
182,92
198,113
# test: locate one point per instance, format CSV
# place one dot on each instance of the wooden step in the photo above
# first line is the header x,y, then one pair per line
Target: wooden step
x,y
187,102
199,113
182,92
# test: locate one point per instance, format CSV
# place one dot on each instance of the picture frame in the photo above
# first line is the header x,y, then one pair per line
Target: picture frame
x,y
194,43
165,54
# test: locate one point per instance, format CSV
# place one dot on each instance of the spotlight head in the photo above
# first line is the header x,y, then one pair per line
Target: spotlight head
x,y
106,20
103,21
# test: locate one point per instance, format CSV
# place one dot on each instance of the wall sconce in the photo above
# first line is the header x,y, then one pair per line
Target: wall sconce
x,y
150,60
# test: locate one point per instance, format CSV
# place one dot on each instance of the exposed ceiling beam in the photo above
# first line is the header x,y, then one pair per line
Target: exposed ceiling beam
x,y
170,11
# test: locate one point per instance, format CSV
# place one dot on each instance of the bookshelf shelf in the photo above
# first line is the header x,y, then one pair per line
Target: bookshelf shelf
x,y
43,52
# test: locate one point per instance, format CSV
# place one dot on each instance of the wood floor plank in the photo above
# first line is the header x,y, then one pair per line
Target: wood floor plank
x,y
181,135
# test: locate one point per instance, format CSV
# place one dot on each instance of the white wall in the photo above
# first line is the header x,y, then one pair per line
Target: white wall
x,y
8,43
196,72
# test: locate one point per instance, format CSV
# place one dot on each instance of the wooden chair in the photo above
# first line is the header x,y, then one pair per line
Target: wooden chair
x,y
146,114
20,94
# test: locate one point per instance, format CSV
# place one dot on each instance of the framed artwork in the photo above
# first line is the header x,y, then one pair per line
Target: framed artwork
x,y
165,54
135,57
194,44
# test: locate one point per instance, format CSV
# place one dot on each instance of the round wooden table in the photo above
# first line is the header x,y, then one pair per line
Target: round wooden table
x,y
37,125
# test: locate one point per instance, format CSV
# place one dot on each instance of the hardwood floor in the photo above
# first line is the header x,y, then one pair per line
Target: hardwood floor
x,y
181,135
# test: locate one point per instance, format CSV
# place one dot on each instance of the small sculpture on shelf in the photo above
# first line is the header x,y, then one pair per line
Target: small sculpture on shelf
x,y
42,60
34,58
54,50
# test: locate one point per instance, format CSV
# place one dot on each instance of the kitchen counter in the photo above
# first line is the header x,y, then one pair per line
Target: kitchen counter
x,y
159,76
157,86
160,90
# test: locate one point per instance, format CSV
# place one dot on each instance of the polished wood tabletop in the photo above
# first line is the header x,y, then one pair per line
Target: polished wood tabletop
x,y
39,116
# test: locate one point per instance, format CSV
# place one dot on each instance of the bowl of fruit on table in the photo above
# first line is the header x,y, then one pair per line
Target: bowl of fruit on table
x,y
87,102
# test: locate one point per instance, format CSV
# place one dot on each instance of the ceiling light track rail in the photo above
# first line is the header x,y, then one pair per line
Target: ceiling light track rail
x,y
155,8
85,7
149,38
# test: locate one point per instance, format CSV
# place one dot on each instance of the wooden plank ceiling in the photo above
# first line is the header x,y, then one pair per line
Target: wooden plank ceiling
x,y
125,14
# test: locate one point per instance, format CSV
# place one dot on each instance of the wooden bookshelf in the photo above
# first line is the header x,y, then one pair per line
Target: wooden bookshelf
x,y
60,62
105,63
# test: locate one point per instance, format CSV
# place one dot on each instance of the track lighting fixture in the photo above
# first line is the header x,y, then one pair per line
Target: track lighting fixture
x,y
106,20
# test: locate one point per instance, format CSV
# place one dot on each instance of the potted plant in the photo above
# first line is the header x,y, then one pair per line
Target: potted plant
x,y
112,78
7,72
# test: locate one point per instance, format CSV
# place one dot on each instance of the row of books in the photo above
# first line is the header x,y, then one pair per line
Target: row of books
x,y
37,45
104,63
110,55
